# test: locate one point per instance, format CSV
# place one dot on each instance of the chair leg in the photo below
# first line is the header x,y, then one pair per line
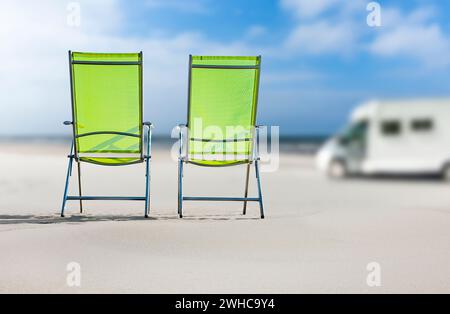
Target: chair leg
x,y
69,173
79,186
246,190
259,189
180,188
147,188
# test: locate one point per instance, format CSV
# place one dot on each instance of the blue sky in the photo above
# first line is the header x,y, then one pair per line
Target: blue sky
x,y
320,58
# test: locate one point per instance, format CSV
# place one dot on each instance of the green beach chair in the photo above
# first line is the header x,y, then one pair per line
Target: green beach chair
x,y
107,111
221,124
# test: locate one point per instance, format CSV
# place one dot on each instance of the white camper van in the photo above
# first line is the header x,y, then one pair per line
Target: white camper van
x,y
392,137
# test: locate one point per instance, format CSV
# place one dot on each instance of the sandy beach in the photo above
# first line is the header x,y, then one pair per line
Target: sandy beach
x,y
318,235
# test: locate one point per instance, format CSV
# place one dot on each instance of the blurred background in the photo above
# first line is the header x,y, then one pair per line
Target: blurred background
x,y
320,58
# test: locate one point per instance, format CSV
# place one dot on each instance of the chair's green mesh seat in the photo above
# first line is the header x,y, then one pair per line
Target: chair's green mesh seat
x,y
107,97
222,109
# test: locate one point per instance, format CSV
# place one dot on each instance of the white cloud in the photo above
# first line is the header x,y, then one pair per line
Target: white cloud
x,y
422,15
256,31
35,39
413,36
291,77
337,28
425,43
193,6
308,8
322,38
324,26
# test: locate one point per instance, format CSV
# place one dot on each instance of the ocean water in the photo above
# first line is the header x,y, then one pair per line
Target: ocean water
x,y
288,144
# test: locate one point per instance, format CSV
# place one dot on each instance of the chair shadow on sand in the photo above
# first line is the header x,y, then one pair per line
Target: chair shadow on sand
x,y
77,219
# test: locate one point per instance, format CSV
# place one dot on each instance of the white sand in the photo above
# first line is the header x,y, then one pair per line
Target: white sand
x,y
318,235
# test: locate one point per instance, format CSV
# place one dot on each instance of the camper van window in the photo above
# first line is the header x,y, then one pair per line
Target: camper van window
x,y
422,125
391,127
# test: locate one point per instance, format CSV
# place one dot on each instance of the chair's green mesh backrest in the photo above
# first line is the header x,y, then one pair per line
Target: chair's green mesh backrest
x,y
107,97
222,108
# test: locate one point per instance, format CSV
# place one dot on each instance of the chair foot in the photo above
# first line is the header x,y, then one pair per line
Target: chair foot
x,y
262,216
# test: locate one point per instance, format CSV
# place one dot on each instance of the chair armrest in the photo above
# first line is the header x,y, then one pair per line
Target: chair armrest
x,y
255,155
180,128
67,122
149,124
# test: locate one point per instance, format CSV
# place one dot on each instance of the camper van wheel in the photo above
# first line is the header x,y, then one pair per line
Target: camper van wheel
x,y
337,169
446,172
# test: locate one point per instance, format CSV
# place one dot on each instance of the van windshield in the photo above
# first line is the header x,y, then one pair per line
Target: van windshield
x,y
355,132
